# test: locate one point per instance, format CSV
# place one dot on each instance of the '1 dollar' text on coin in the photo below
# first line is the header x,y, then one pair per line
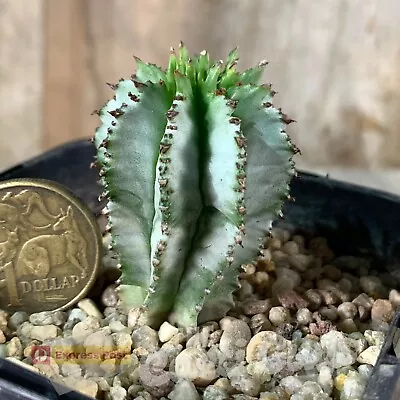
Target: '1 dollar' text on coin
x,y
50,246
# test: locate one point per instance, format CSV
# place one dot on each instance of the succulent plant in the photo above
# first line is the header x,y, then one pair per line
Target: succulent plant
x,y
196,166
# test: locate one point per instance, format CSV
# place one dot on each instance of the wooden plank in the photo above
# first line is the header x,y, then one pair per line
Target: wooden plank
x,y
21,52
64,72
117,30
334,64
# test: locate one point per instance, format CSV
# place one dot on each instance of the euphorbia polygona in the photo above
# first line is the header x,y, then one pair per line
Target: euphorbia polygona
x,y
196,166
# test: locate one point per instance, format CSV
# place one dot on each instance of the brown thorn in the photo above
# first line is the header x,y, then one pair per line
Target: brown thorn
x,y
111,85
286,119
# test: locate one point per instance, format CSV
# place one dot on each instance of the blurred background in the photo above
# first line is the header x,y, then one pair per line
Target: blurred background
x,y
334,63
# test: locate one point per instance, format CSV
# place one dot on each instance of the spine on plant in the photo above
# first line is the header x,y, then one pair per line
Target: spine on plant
x,y
196,166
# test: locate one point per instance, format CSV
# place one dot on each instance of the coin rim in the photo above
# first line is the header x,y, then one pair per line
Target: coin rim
x,y
67,193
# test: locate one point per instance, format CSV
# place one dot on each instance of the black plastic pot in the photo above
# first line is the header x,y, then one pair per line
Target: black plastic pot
x,y
355,220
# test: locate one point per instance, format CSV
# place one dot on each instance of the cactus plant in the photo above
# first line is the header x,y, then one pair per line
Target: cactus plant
x,y
196,166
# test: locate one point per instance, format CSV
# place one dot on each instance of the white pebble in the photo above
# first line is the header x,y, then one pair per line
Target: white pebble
x,y
44,332
242,381
310,390
304,316
279,315
325,379
166,332
84,386
353,387
82,329
235,337
193,364
266,343
347,310
291,384
369,356
374,338
338,349
394,297
290,248
184,389
90,308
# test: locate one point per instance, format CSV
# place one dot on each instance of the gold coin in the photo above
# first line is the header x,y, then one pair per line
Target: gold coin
x,y
50,246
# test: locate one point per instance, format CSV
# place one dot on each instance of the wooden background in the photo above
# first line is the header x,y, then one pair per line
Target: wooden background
x,y
334,63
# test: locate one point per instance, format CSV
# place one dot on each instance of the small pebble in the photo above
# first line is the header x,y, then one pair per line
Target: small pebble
x,y
330,313
314,298
14,348
329,297
369,356
279,315
146,338
251,307
43,332
382,310
194,365
90,308
374,338
109,297
290,248
184,390
363,300
118,393
259,322
243,382
394,298
84,328
304,316
291,384
213,392
338,349
282,234
325,379
291,300
42,318
347,325
3,319
372,285
122,341
50,368
285,330
300,261
347,310
166,332
17,318
235,337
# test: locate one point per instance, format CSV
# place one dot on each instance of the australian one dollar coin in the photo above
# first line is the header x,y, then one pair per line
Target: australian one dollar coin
x,y
50,246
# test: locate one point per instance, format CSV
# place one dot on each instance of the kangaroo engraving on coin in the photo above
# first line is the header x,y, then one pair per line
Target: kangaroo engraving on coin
x,y
50,246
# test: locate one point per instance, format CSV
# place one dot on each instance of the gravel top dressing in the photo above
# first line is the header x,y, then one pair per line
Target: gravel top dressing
x,y
308,325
